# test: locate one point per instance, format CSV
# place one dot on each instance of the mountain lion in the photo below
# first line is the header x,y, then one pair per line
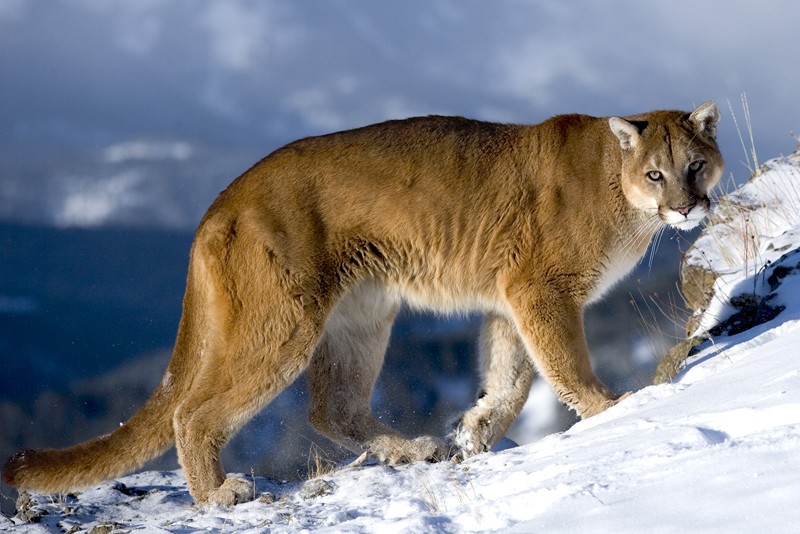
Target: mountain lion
x,y
303,261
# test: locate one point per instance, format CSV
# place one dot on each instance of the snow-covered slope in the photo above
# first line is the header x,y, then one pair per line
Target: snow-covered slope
x,y
715,450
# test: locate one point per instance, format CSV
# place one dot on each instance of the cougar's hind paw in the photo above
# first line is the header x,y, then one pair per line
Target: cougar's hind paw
x,y
232,491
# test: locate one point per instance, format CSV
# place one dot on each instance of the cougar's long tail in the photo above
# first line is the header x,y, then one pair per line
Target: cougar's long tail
x,y
146,435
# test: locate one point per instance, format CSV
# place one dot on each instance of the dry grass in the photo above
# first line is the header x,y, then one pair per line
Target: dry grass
x,y
731,227
429,496
436,496
318,464
751,157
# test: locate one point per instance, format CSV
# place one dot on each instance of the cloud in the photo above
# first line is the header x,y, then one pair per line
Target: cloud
x,y
11,10
236,34
535,68
240,71
147,151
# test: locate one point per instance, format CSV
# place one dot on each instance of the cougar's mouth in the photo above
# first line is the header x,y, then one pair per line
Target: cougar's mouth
x,y
685,218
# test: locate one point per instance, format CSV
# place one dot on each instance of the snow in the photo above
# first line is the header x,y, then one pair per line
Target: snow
x,y
716,450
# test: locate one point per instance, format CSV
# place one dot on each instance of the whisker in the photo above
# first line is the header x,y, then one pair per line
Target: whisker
x,y
656,241
633,240
654,247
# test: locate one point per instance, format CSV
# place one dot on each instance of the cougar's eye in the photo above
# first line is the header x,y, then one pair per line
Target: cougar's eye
x,y
696,165
655,176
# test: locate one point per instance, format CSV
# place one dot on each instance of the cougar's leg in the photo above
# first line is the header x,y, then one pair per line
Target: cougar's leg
x,y
506,375
234,384
551,327
261,330
342,375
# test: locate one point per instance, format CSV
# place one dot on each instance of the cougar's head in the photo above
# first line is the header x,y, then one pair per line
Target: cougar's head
x,y
670,161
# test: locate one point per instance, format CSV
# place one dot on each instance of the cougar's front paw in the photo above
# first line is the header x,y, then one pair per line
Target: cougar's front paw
x,y
603,405
470,436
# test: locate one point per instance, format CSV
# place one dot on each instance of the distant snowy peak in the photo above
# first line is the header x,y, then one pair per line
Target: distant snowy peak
x,y
750,245
129,185
87,203
165,184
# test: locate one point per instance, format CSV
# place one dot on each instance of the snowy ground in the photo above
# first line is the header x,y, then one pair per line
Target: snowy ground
x,y
716,450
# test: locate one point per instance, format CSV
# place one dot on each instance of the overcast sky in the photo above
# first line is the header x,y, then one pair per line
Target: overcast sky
x,y
78,73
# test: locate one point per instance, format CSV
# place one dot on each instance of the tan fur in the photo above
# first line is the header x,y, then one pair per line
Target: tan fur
x,y
305,259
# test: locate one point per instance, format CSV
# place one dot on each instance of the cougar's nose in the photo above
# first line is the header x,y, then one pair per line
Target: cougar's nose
x,y
686,209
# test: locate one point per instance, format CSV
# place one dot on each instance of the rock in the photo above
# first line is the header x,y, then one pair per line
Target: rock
x,y
316,487
267,498
672,362
25,509
130,492
103,529
697,287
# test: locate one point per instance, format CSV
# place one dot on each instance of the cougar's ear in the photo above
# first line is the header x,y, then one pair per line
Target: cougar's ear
x,y
705,118
627,133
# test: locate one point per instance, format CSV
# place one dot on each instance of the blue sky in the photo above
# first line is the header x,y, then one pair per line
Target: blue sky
x,y
86,74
